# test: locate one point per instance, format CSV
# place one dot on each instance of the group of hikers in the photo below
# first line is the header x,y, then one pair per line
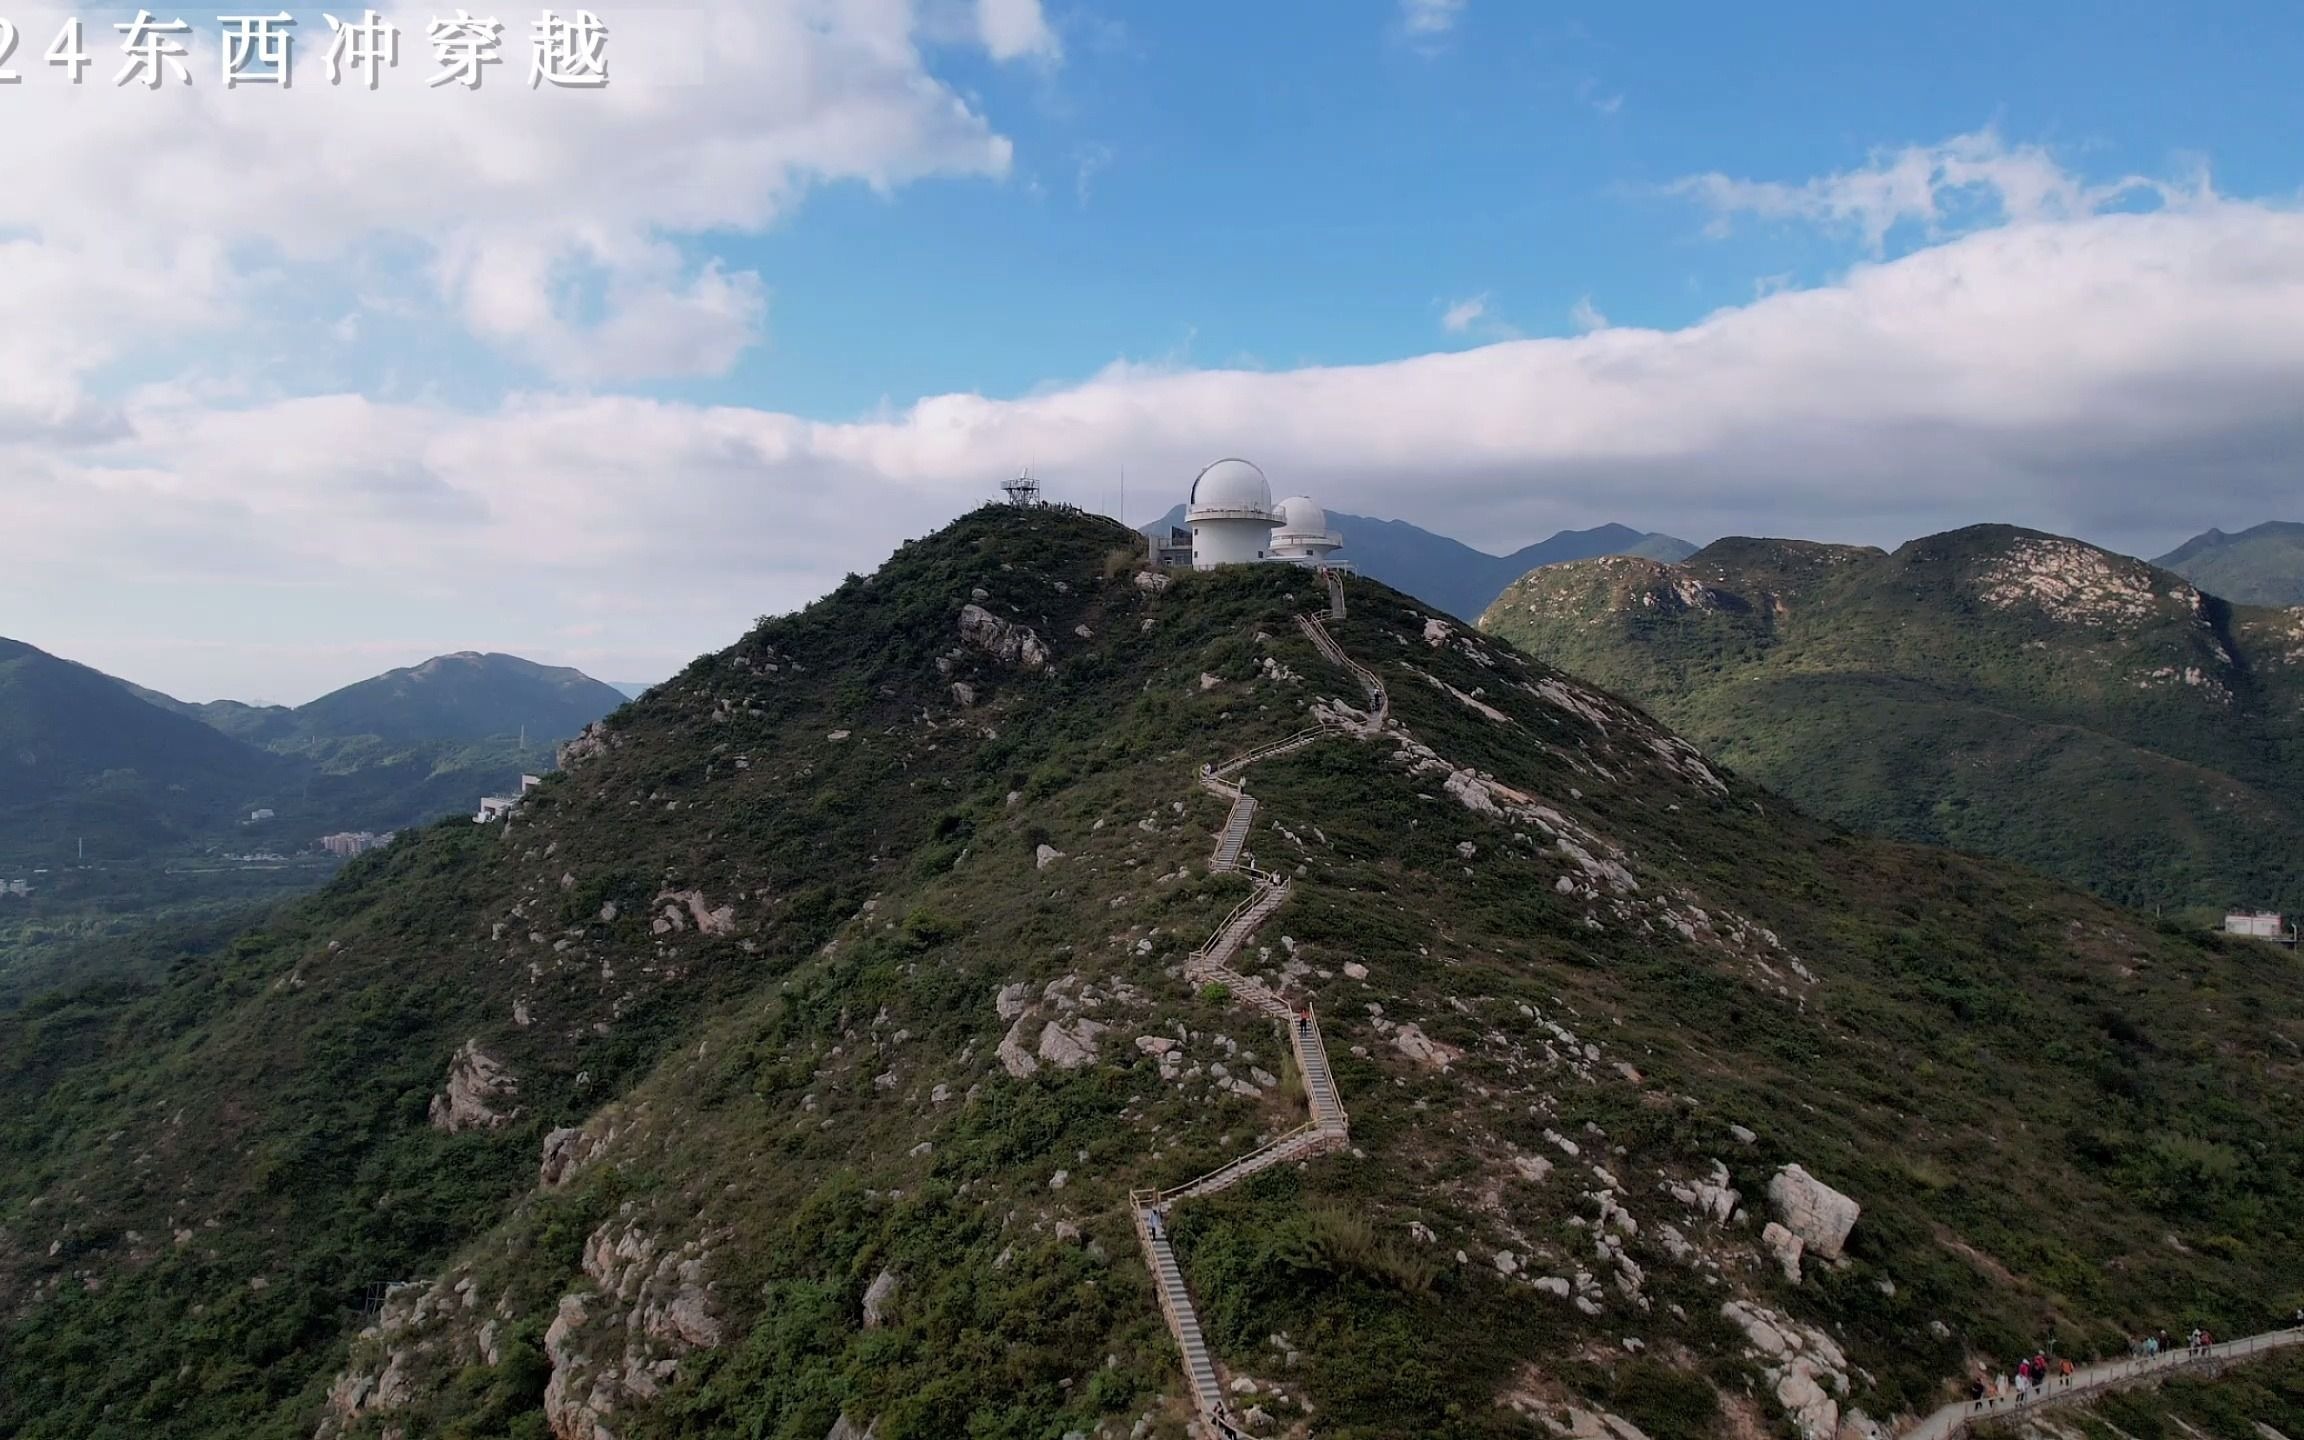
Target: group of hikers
x,y
2041,1375
2160,1344
2033,1377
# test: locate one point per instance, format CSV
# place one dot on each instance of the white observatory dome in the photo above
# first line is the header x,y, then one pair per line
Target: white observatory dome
x,y
1303,536
1230,489
1299,516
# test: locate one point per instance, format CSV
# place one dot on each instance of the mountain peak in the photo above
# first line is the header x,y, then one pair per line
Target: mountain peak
x,y
465,695
2262,565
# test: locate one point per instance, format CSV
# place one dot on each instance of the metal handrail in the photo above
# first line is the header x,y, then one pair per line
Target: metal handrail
x,y
1950,1420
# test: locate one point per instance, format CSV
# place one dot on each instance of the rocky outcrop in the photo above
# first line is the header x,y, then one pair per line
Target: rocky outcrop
x,y
1008,643
1423,1049
565,1150
595,739
478,1093
1786,1247
1013,1057
876,1297
1068,1045
1820,1215
1806,1368
621,1340
678,909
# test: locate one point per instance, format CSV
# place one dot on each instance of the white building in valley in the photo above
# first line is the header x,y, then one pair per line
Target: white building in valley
x,y
2260,925
1230,519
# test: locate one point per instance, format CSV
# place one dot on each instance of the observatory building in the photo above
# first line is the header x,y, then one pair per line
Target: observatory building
x,y
1303,535
1229,519
1230,515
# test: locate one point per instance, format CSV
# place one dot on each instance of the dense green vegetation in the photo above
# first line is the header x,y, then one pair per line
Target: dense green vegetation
x,y
2263,565
2005,692
2061,1122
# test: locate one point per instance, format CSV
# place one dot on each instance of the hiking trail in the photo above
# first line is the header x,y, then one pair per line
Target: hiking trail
x,y
1327,1129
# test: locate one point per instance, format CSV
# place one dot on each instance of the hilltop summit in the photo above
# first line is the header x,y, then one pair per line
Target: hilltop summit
x,y
787,1067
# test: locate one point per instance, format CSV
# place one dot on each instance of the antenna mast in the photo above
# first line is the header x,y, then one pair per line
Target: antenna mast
x,y
1023,490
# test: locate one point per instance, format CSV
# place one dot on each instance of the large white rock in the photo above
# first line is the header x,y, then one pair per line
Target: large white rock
x,y
1007,643
1820,1215
1014,1058
876,1298
1068,1045
1786,1247
478,1083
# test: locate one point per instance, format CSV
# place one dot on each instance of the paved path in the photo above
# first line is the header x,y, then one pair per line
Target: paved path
x,y
1329,1128
2094,1381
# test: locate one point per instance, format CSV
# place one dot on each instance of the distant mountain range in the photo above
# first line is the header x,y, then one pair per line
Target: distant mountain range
x,y
81,755
2259,566
1454,576
87,756
2000,690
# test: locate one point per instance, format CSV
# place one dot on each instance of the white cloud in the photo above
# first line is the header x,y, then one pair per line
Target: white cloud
x,y
547,214
1586,316
1430,17
1089,162
1955,184
1016,30
1464,314
2131,377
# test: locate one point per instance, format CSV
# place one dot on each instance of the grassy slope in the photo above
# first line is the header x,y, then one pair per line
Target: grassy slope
x,y
1888,693
2054,1117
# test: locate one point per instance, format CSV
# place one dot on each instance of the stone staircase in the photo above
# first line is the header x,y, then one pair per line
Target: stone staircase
x,y
1329,1128
1235,833
1183,1320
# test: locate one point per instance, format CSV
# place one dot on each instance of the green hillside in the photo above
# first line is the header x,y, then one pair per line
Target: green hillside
x,y
82,759
1994,689
2259,566
123,808
787,1063
465,696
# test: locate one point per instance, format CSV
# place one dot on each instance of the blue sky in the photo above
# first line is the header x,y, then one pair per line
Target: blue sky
x,y
323,382
1273,185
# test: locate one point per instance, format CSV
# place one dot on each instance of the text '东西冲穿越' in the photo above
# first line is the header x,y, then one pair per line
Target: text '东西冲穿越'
x,y
566,51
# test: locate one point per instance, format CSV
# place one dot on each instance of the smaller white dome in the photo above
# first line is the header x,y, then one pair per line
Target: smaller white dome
x,y
1231,487
1299,516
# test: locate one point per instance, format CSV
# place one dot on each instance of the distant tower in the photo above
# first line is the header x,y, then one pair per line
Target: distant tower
x,y
1023,490
1304,536
1230,515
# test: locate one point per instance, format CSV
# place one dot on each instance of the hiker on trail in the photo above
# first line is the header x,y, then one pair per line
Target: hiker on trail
x,y
2065,1373
2023,1381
